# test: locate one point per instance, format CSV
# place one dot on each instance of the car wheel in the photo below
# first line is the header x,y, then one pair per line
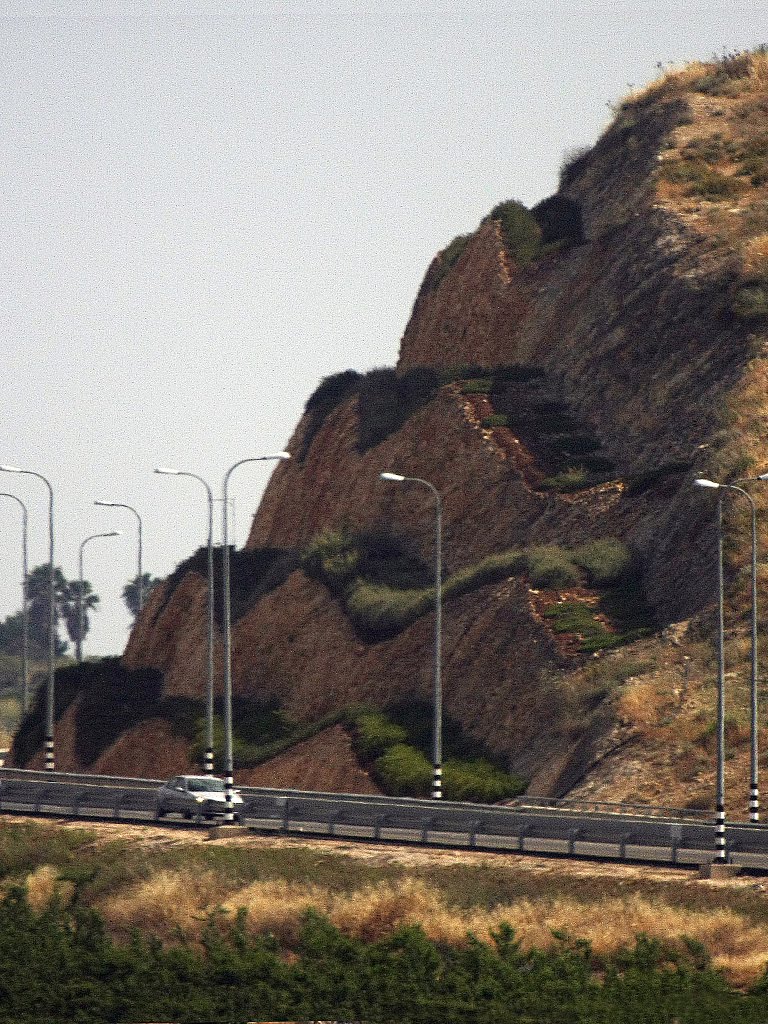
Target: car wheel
x,y
159,812
188,815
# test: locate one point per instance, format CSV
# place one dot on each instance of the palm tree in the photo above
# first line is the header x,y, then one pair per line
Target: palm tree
x,y
131,592
74,606
37,592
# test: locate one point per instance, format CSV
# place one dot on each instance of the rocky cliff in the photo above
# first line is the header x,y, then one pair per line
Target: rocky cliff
x,y
557,393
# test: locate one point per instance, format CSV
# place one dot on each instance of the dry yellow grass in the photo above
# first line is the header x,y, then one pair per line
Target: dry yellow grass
x,y
171,901
43,884
167,901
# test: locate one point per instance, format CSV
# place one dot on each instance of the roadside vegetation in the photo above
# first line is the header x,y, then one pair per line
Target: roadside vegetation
x,y
123,930
384,587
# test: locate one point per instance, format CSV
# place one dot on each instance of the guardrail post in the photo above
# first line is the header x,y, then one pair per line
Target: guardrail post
x,y
675,838
524,830
333,818
119,803
41,798
425,829
573,835
77,799
380,819
623,844
286,814
473,834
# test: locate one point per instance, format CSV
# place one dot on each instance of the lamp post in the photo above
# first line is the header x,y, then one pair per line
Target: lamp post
x,y
754,798
50,760
754,807
24,604
208,757
80,609
140,576
229,780
437,724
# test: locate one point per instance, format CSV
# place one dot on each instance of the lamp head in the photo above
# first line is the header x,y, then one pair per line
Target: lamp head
x,y
113,533
700,482
392,476
763,476
111,504
279,455
167,472
10,469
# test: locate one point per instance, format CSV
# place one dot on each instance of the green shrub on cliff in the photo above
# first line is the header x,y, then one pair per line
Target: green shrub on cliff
x,y
751,301
519,230
551,566
605,561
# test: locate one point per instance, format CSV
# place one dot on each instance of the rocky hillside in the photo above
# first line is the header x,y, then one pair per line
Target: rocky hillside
x,y
565,374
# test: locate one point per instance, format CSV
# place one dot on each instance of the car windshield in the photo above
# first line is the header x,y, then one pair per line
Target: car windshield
x,y
205,786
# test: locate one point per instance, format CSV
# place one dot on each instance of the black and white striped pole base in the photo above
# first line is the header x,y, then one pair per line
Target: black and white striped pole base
x,y
49,760
437,783
229,806
754,803
720,855
208,761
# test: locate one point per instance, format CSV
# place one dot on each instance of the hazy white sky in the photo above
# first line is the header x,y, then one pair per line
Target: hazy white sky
x,y
207,207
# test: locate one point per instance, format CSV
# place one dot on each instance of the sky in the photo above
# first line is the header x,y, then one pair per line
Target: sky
x,y
207,207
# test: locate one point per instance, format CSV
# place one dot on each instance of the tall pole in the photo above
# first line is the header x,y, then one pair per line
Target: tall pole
x,y
754,794
437,706
50,760
229,769
24,604
208,757
140,573
720,854
80,605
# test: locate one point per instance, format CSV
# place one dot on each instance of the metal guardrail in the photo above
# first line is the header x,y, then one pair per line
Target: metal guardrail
x,y
581,805
423,830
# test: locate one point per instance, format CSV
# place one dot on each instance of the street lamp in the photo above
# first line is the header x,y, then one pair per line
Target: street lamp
x,y
139,577
50,761
80,610
720,852
24,605
754,801
437,724
229,779
208,758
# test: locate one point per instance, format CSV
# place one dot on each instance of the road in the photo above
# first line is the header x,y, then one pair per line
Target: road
x,y
556,829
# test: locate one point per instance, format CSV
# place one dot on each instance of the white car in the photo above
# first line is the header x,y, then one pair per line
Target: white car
x,y
195,796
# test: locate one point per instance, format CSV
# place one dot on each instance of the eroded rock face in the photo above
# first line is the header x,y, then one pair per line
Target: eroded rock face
x,y
633,330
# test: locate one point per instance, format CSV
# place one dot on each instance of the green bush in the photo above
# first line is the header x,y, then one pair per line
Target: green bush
x,y
575,478
378,611
551,566
374,734
333,557
404,771
751,301
477,386
478,781
488,570
497,420
606,560
520,231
